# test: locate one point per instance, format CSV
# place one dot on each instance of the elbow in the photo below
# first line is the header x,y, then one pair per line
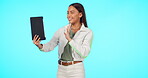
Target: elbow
x,y
84,53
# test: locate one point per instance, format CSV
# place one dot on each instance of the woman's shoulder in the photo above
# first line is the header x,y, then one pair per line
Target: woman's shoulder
x,y
86,29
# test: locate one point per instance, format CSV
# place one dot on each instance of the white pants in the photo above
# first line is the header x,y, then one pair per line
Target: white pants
x,y
71,71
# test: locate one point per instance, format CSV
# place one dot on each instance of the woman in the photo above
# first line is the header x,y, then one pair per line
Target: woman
x,y
74,43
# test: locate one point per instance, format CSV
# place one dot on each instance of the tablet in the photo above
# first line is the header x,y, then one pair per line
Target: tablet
x,y
37,27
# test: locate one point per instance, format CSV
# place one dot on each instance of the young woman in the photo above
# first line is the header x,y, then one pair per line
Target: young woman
x,y
74,42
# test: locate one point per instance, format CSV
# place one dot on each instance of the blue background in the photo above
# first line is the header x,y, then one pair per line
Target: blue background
x,y
120,45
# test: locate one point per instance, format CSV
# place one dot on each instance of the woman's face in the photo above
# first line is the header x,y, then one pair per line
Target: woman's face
x,y
73,15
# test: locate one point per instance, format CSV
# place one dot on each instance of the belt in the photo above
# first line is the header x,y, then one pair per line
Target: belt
x,y
67,63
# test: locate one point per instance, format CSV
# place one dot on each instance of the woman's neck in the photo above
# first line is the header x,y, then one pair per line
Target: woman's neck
x,y
76,25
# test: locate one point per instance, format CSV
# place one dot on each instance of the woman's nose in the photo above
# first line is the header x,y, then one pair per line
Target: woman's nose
x,y
68,15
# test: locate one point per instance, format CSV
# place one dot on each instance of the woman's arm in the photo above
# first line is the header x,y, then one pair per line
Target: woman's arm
x,y
52,43
48,46
84,48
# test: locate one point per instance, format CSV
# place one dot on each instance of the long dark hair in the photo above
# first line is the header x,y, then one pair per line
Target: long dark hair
x,y
80,8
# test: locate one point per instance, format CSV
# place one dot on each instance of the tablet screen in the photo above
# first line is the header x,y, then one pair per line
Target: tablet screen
x,y
37,27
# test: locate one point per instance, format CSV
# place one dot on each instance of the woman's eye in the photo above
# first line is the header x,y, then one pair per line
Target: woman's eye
x,y
72,12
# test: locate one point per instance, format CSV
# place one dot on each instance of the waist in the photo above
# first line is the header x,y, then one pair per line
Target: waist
x,y
67,63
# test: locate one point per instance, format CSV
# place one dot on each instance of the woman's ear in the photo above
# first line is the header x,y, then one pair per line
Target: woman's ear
x,y
80,15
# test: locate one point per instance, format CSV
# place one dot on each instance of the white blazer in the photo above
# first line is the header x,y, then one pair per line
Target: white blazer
x,y
80,43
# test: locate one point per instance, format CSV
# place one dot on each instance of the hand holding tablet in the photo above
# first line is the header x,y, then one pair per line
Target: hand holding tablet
x,y
37,27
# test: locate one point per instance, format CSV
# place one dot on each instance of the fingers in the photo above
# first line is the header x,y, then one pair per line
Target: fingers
x,y
36,39
67,30
64,33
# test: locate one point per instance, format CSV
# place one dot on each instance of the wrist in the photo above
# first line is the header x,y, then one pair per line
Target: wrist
x,y
69,39
39,45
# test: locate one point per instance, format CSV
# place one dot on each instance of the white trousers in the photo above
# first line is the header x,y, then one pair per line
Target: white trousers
x,y
71,71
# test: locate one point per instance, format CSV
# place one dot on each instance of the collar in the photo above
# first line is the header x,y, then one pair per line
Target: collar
x,y
83,28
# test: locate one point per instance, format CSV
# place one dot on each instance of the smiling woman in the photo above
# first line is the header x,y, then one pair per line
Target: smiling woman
x,y
120,45
71,52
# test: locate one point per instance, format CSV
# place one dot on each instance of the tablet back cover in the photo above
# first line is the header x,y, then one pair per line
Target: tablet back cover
x,y
37,27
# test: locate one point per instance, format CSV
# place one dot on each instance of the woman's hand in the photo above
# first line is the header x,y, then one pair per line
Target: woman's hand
x,y
67,35
36,41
